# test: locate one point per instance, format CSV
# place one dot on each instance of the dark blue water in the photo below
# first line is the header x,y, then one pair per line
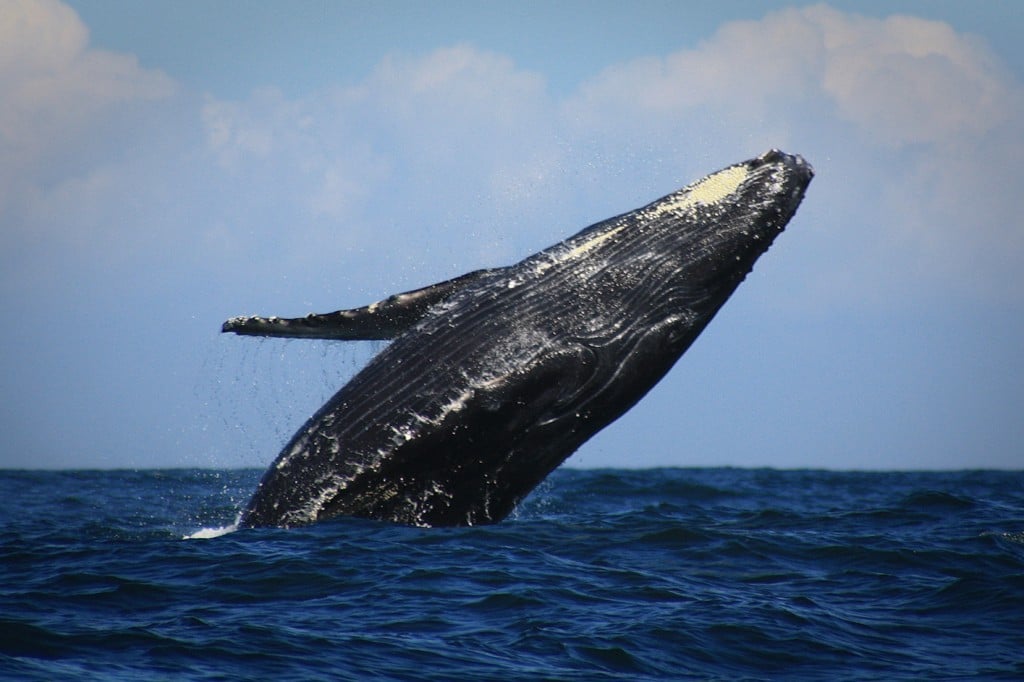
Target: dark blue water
x,y
656,574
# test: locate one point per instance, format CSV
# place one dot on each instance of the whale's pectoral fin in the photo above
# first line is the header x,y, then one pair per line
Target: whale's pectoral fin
x,y
381,320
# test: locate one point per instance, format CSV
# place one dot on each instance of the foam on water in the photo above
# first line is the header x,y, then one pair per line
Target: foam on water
x,y
210,533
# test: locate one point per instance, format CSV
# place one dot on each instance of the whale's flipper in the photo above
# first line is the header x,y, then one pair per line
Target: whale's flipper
x,y
381,320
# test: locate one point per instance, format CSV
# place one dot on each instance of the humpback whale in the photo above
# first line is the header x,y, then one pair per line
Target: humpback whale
x,y
494,378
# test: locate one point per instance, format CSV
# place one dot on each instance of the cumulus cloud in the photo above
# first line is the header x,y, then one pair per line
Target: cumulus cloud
x,y
903,80
401,166
914,128
907,80
55,86
458,158
65,117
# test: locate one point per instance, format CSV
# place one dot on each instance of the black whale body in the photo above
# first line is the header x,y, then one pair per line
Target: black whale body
x,y
494,378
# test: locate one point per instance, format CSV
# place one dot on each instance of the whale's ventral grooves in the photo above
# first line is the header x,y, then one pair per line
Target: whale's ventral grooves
x,y
495,377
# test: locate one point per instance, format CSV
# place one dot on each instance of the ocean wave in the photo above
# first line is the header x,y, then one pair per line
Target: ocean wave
x,y
666,573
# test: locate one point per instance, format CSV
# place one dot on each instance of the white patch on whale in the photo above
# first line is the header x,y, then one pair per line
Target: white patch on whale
x,y
709,190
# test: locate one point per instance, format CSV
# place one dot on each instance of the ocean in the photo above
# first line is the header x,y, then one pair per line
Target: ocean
x,y
681,574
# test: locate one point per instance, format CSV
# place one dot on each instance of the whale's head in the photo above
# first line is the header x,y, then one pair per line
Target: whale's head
x,y
720,225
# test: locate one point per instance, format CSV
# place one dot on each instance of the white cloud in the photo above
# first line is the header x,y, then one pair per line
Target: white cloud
x,y
401,166
65,117
240,134
55,86
442,162
915,130
903,80
910,81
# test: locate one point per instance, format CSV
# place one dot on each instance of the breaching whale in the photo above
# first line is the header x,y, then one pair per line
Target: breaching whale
x,y
494,378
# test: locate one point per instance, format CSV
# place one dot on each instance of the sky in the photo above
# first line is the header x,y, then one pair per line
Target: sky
x,y
167,165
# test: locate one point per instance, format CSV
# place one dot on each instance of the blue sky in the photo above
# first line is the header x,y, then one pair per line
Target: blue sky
x,y
166,165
